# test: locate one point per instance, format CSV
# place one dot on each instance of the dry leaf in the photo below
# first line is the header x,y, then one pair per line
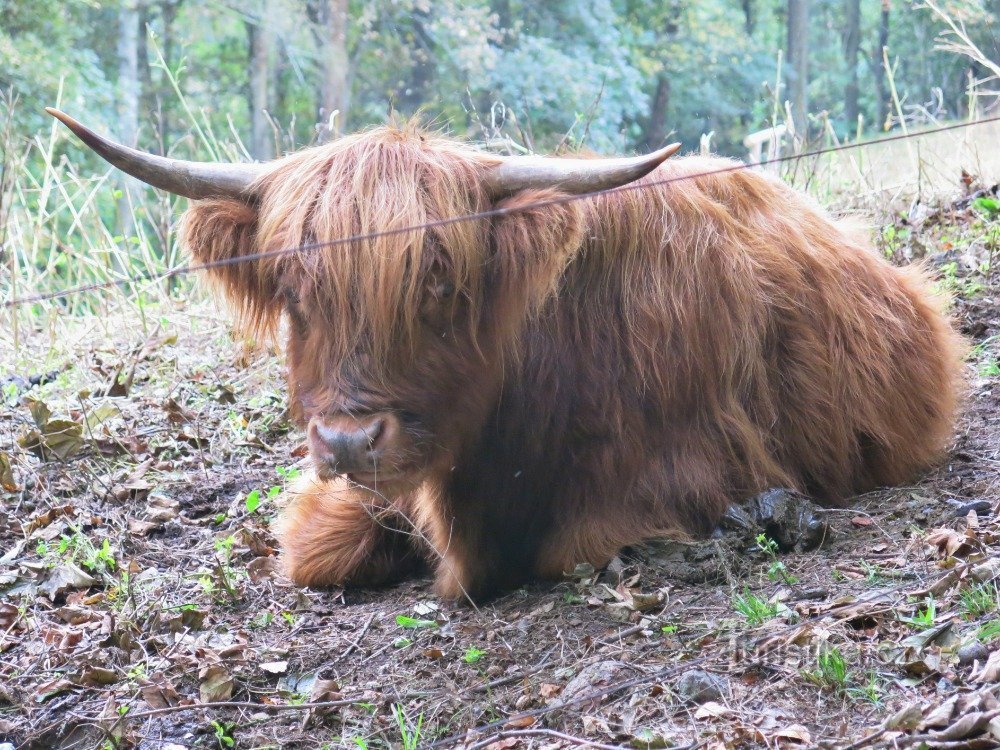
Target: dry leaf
x,y
795,732
159,692
712,710
7,474
216,684
990,671
548,690
520,722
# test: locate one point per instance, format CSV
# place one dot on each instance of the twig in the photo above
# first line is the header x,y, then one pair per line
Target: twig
x,y
357,642
239,704
542,733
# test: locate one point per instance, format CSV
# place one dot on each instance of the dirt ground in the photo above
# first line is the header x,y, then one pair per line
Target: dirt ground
x,y
142,604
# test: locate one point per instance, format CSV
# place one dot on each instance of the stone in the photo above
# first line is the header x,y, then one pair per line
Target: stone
x,y
699,686
971,652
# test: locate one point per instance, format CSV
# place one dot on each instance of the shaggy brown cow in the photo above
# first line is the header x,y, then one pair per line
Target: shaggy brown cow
x,y
510,396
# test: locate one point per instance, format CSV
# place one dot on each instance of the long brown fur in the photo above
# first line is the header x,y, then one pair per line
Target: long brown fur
x,y
606,371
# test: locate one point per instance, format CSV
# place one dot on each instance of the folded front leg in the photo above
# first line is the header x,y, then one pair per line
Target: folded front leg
x,y
333,534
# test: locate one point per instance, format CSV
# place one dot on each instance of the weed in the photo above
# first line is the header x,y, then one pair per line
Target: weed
x,y
473,654
776,570
831,669
78,549
871,691
256,497
989,632
224,733
924,618
753,608
414,623
409,733
979,600
261,620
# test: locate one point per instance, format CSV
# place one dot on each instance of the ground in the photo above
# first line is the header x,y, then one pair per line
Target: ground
x,y
142,461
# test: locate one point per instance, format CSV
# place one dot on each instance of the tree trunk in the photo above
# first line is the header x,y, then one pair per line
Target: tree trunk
x,y
654,133
128,100
335,92
852,41
261,41
878,67
748,19
798,61
415,88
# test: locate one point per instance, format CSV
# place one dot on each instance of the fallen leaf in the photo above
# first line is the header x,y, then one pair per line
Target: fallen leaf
x,y
52,688
548,690
7,474
158,692
94,676
521,722
64,577
275,667
795,732
712,710
990,671
216,684
862,521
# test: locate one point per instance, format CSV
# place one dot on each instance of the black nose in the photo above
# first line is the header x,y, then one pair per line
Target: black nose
x,y
348,444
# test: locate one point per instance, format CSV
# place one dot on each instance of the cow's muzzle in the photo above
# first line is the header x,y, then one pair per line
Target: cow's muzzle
x,y
357,446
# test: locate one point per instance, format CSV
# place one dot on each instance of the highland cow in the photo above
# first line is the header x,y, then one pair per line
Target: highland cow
x,y
508,396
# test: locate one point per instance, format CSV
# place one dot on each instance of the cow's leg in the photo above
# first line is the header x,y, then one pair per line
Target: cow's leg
x,y
332,535
662,503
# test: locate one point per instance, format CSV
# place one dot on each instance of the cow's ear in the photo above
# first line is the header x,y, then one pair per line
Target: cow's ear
x,y
532,243
218,233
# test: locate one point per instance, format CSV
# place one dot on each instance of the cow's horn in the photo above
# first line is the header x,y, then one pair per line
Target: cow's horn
x,y
191,179
572,175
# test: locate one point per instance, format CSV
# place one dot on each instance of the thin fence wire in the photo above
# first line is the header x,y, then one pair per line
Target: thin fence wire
x,y
487,214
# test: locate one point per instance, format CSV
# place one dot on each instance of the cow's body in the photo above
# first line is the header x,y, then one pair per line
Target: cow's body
x,y
757,345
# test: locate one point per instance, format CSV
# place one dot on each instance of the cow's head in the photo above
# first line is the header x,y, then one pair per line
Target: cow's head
x,y
397,339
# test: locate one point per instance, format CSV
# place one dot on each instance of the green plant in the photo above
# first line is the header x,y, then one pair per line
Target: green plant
x,y
414,623
871,691
989,632
988,206
256,497
979,600
409,732
224,733
753,608
473,654
831,669
776,569
78,549
923,618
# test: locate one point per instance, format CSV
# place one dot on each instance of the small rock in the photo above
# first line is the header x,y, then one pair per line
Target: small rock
x,y
981,508
988,571
970,652
789,518
591,679
699,686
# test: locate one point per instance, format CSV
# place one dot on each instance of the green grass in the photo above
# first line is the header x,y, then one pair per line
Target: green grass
x,y
831,669
755,610
979,600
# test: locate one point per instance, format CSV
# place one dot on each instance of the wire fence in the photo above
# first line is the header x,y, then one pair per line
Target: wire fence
x,y
487,214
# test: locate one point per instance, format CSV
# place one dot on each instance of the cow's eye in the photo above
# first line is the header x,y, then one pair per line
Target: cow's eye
x,y
442,290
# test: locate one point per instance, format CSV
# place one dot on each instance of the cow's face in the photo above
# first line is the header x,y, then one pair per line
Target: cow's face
x,y
396,342
397,339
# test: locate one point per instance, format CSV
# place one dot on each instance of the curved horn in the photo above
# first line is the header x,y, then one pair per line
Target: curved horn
x,y
192,179
572,175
